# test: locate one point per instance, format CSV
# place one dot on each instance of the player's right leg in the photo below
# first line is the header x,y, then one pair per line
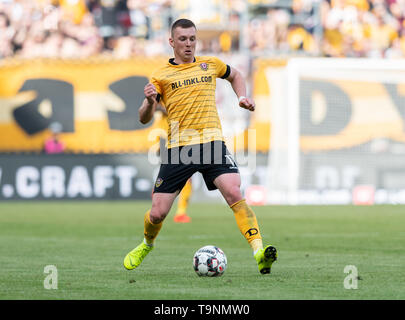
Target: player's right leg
x,y
161,204
171,179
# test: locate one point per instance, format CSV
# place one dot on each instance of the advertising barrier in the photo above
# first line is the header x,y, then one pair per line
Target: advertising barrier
x,y
79,177
98,177
96,102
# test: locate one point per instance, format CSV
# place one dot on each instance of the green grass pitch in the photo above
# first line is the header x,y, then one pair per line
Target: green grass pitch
x,y
87,242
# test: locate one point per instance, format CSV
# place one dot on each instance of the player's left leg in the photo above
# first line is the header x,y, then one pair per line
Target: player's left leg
x,y
229,186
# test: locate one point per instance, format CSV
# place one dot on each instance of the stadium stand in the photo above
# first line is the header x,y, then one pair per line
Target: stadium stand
x,y
125,28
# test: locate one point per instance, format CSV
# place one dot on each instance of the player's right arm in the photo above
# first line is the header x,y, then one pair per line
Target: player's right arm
x,y
149,104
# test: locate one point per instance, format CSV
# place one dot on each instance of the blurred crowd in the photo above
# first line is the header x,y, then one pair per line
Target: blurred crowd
x,y
124,28
78,28
333,28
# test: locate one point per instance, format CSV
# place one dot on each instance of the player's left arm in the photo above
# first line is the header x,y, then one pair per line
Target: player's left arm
x,y
238,84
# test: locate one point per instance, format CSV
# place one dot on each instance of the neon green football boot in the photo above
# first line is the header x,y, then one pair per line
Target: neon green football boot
x,y
265,258
134,258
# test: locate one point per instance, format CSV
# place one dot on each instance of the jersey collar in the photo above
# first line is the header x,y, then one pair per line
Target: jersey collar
x,y
171,61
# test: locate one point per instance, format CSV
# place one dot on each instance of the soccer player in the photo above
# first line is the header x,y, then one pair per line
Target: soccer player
x,y
185,85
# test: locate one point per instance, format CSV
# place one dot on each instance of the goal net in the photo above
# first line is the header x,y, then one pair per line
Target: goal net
x,y
338,134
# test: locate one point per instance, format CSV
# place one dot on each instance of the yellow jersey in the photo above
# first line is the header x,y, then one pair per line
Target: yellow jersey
x,y
187,91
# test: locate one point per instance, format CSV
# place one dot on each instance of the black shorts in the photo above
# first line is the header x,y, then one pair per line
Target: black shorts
x,y
178,164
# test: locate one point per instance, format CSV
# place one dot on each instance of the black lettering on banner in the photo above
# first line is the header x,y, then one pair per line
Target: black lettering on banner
x,y
399,100
130,90
60,95
338,108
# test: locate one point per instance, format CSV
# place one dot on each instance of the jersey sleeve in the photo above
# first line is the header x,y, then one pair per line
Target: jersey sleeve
x,y
155,81
223,70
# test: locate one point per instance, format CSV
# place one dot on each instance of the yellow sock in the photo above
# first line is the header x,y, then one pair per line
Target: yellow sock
x,y
150,230
247,223
184,198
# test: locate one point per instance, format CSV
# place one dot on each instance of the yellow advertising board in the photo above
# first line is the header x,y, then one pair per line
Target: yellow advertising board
x,y
96,102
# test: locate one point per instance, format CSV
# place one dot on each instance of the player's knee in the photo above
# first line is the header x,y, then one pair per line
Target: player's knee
x,y
158,212
157,216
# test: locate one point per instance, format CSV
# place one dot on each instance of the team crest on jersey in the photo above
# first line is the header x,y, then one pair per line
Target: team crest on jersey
x,y
159,181
204,66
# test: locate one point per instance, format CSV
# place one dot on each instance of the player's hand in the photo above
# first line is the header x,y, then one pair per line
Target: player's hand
x,y
247,103
150,92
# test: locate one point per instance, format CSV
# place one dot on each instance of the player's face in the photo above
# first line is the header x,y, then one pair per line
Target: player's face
x,y
183,43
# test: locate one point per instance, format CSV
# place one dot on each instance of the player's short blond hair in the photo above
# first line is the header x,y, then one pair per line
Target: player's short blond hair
x,y
182,23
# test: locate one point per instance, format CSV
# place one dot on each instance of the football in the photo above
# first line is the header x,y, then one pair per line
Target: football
x,y
209,261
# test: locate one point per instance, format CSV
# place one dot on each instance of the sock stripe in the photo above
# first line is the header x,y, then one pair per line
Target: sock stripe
x,y
236,203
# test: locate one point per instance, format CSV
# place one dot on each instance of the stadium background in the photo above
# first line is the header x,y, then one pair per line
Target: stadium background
x,y
82,65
